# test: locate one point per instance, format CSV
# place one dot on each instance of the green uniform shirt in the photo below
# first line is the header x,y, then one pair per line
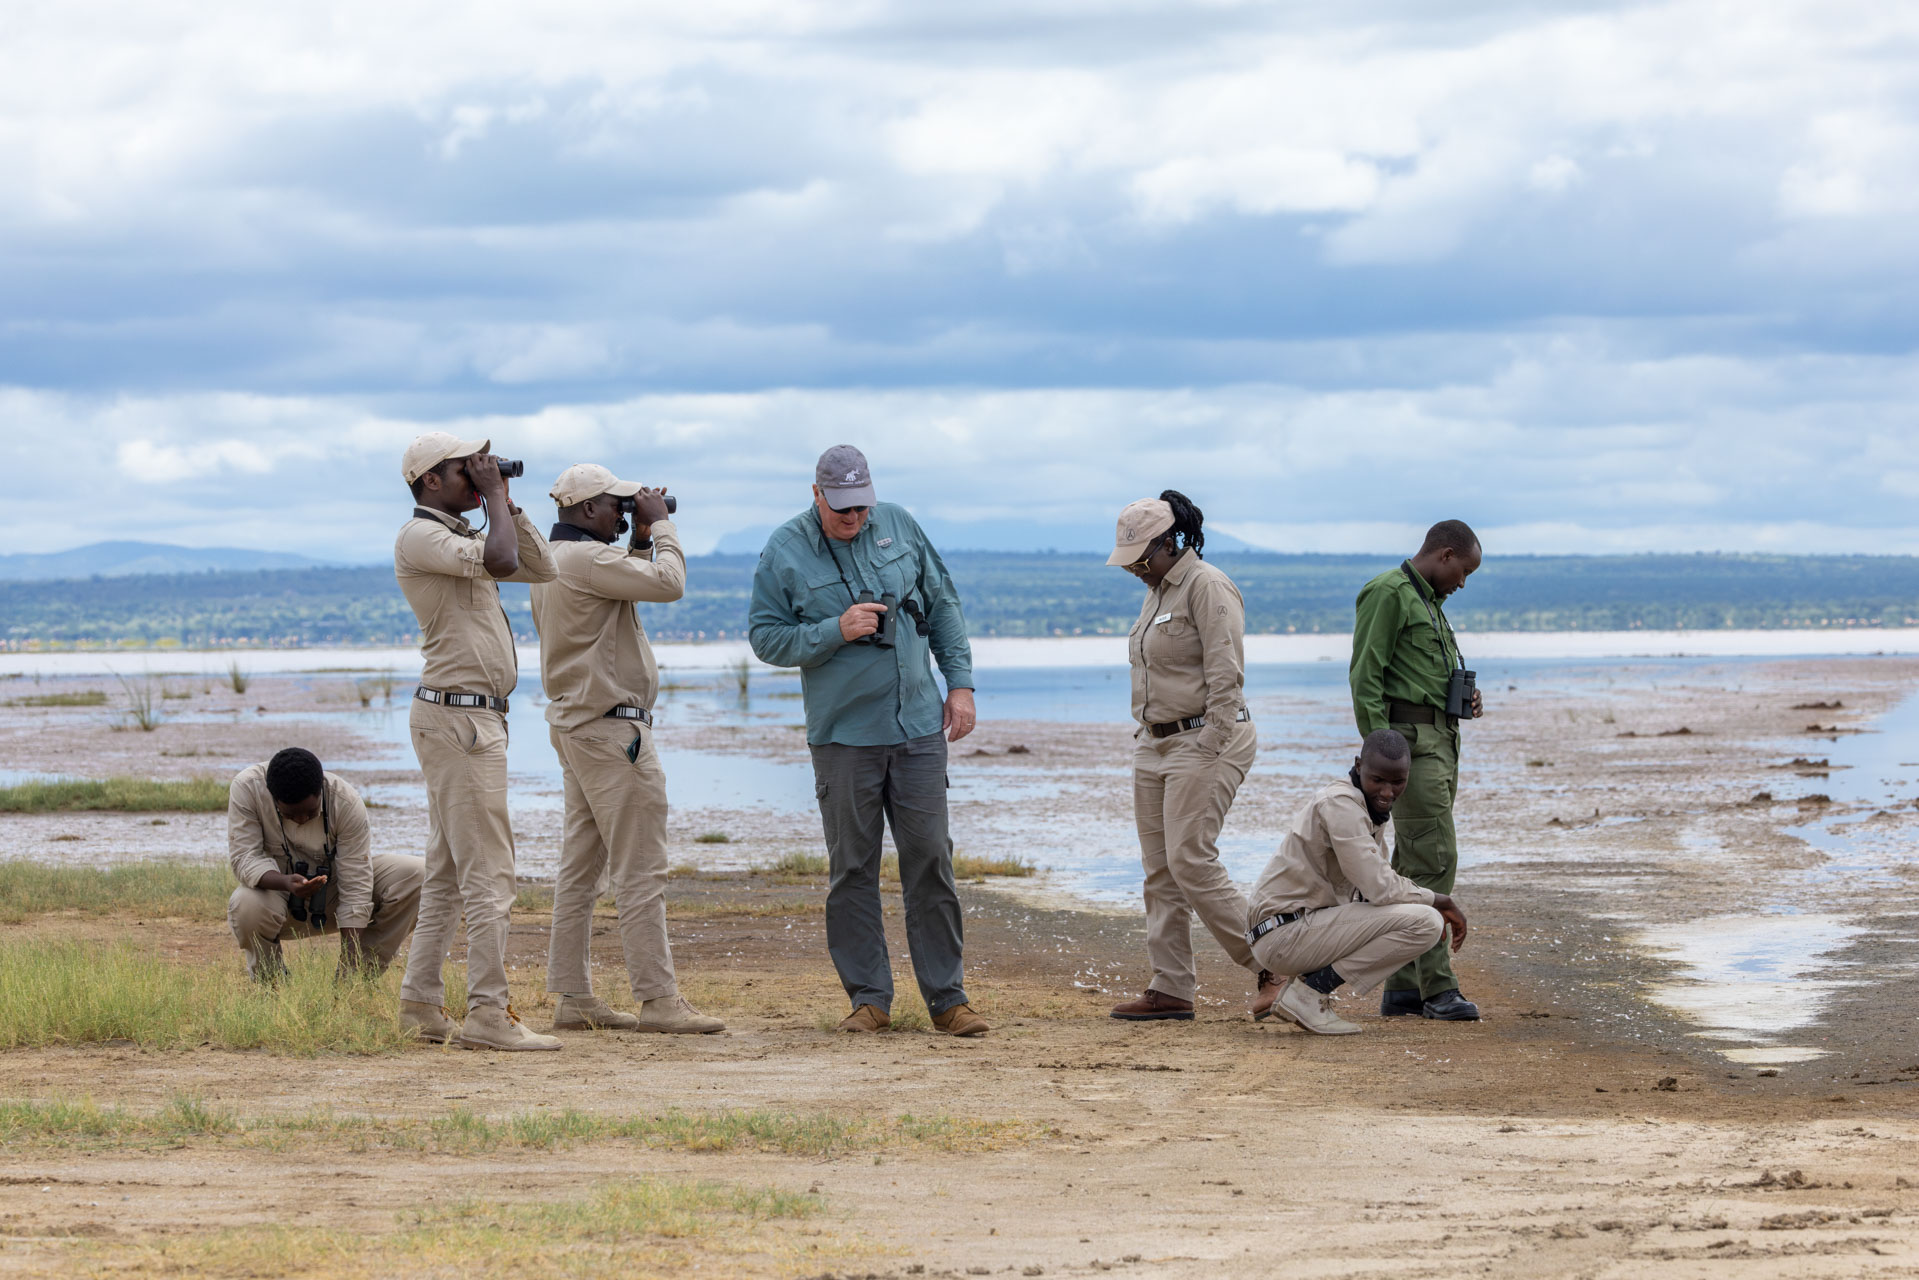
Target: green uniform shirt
x,y
859,694
1397,655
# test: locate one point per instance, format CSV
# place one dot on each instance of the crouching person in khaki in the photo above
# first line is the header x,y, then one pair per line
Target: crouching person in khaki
x,y
298,840
1329,909
600,680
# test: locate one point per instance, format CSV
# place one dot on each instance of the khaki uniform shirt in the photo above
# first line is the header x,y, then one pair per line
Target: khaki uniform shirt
x,y
594,654
257,841
1188,651
440,561
1334,853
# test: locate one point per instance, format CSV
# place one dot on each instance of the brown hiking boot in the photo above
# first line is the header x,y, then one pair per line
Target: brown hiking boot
x,y
1269,989
590,1013
1154,1006
960,1020
429,1023
868,1017
495,1027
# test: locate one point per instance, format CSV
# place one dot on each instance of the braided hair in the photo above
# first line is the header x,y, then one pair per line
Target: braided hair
x,y
1186,521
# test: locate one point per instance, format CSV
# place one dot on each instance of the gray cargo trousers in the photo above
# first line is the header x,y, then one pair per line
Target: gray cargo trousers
x,y
861,790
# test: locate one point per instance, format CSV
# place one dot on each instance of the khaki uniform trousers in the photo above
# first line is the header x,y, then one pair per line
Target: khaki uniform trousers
x,y
616,830
260,920
469,853
1363,943
1180,798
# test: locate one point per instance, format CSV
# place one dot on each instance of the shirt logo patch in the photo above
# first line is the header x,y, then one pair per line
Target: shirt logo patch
x,y
885,542
1164,617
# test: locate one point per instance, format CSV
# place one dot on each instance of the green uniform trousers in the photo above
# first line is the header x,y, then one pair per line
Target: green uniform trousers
x,y
1425,850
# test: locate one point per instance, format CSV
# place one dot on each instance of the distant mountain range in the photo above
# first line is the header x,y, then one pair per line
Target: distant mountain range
x,y
122,559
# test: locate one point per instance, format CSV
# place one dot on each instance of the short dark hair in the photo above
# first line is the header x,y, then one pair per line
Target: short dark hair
x,y
294,775
1456,534
1387,745
1187,520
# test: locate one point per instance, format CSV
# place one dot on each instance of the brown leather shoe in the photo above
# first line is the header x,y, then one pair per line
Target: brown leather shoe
x,y
1269,989
1154,1006
960,1020
868,1017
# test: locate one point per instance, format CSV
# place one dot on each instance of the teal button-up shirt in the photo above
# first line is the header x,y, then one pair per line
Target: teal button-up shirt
x,y
859,695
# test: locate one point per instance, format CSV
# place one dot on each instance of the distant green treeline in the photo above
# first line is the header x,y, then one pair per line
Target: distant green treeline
x,y
1013,594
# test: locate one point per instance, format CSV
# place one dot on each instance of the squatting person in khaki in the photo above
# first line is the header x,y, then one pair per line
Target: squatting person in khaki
x,y
1196,742
1330,909
298,840
450,576
600,680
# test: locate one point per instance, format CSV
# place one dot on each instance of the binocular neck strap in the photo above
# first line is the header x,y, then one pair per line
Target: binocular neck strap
x,y
1432,616
329,842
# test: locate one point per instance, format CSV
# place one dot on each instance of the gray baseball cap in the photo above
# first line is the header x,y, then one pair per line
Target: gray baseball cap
x,y
844,478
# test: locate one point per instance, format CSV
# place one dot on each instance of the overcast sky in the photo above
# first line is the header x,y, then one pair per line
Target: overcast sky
x,y
1591,277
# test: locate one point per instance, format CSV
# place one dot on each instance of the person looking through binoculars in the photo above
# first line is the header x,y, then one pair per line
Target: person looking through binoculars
x,y
851,592
600,676
298,842
458,724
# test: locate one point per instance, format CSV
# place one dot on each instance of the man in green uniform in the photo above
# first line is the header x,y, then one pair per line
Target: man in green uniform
x,y
1404,654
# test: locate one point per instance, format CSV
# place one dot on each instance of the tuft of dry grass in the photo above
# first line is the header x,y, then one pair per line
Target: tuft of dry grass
x,y
79,698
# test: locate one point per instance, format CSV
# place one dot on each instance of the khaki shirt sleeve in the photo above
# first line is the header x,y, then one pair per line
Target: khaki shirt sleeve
x,y
353,859
618,575
536,557
247,839
1220,617
427,546
1351,836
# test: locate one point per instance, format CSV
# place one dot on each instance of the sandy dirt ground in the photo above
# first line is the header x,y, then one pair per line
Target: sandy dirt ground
x,y
1586,1128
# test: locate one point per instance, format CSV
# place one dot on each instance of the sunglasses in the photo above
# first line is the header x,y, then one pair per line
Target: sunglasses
x,y
1152,549
849,511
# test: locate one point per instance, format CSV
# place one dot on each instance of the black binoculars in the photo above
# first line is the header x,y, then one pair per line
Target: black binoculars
x,y
889,621
312,910
629,505
1459,694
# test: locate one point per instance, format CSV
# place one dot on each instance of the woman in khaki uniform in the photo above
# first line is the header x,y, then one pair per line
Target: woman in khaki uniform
x,y
1195,743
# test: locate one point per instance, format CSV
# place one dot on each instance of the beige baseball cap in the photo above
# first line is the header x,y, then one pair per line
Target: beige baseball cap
x,y
1139,524
430,450
585,480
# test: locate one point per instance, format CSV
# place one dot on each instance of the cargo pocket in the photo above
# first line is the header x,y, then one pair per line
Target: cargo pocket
x,y
1416,848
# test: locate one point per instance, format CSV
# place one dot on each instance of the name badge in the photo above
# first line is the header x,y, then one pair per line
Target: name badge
x,y
885,542
1164,617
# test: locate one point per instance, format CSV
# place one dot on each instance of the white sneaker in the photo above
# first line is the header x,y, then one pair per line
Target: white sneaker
x,y
673,1015
1306,1008
492,1027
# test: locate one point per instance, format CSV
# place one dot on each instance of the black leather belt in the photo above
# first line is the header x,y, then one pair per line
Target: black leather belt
x,y
1271,923
1407,713
442,698
641,714
1172,727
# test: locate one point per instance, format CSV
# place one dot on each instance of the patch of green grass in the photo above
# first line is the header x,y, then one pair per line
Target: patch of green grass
x,y
127,795
644,1226
796,864
713,837
460,1131
965,867
161,890
80,698
72,992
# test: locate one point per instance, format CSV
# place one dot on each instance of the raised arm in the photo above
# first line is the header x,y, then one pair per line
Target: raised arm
x,y
773,624
532,556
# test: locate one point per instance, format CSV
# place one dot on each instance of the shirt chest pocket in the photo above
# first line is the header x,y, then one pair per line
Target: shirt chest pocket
x,y
1172,642
893,568
824,594
477,593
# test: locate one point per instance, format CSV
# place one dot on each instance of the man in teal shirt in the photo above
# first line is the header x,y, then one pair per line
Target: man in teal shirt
x,y
876,725
1404,653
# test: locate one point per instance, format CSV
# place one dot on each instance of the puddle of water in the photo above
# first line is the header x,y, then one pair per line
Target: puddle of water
x,y
1774,1055
1750,977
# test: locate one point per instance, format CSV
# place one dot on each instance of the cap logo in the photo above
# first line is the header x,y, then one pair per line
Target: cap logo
x,y
852,475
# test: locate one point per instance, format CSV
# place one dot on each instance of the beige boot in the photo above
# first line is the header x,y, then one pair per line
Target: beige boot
x,y
590,1013
673,1015
428,1022
492,1027
1309,1010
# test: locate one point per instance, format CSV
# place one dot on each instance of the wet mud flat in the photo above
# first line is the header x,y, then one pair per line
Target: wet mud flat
x,y
1595,1123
